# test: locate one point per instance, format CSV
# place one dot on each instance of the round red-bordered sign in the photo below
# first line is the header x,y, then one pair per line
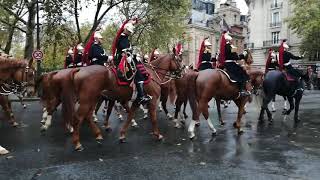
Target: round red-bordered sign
x,y
37,55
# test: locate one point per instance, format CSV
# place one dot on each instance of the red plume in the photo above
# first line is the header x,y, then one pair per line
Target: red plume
x,y
122,64
281,52
268,60
87,49
222,55
116,39
200,54
178,49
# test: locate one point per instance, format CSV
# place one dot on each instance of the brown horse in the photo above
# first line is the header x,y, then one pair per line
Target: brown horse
x,y
53,87
94,79
15,75
213,83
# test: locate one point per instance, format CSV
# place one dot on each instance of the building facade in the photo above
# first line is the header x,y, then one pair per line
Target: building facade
x,y
267,27
205,21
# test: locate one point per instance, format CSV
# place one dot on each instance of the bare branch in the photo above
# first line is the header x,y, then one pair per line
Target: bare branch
x,y
13,13
5,22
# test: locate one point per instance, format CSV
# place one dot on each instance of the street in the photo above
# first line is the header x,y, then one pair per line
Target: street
x,y
278,151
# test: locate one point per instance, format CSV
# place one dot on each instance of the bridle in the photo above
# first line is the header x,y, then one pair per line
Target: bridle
x,y
14,86
170,75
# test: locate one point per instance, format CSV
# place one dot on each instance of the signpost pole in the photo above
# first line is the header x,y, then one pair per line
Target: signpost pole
x,y
38,41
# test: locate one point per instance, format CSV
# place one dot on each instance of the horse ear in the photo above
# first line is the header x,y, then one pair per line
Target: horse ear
x,y
174,51
30,62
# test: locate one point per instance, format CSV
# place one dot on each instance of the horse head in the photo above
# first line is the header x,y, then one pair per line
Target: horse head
x,y
20,74
176,63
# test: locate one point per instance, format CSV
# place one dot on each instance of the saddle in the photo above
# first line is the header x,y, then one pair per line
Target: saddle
x,y
289,77
228,76
123,81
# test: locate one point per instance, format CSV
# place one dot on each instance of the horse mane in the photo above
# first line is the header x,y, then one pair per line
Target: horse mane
x,y
6,63
159,59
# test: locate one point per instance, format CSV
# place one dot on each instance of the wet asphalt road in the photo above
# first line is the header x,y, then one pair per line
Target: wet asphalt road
x,y
278,151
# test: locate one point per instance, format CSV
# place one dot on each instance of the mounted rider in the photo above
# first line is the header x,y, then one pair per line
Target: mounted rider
x,y
284,62
120,46
228,58
272,61
205,60
68,63
97,54
78,55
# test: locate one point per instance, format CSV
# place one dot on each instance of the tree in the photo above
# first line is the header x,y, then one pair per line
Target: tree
x,y
306,23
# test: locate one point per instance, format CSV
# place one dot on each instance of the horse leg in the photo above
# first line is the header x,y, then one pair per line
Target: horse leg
x,y
197,111
145,112
273,108
297,104
177,113
287,112
44,115
96,131
184,108
285,105
82,113
117,107
100,101
153,116
106,120
218,103
127,108
124,128
240,103
6,105
21,102
164,100
206,116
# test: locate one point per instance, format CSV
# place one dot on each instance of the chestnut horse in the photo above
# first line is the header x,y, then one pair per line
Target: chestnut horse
x,y
15,75
90,82
213,83
53,87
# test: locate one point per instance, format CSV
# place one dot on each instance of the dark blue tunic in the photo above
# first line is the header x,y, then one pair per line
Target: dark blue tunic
x,y
97,55
206,61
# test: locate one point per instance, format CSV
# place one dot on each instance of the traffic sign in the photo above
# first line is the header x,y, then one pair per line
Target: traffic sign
x,y
37,55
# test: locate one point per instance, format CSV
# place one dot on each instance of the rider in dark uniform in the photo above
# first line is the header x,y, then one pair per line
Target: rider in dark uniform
x,y
285,56
236,71
272,61
122,42
78,56
69,59
205,59
97,54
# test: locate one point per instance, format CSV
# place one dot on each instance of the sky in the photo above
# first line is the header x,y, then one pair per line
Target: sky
x,y
87,13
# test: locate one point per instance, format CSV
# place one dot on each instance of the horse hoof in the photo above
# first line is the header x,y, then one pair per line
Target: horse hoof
x,y
296,120
99,141
192,137
24,106
197,124
244,112
160,137
122,140
108,129
15,124
240,132
79,148
214,134
186,116
222,123
235,125
43,128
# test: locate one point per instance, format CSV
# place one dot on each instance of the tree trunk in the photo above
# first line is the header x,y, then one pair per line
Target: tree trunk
x,y
76,15
29,46
10,37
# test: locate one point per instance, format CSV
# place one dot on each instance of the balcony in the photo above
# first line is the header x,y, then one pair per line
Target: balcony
x,y
271,43
249,46
275,24
276,5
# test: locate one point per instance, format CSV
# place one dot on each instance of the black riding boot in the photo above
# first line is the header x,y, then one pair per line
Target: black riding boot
x,y
243,91
141,97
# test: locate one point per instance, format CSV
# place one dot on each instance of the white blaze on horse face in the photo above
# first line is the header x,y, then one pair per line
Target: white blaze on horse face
x,y
211,126
191,128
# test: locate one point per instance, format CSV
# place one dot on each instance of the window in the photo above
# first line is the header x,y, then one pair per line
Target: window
x,y
235,19
275,37
275,17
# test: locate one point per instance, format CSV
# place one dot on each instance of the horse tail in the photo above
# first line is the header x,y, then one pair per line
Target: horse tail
x,y
68,97
192,92
258,97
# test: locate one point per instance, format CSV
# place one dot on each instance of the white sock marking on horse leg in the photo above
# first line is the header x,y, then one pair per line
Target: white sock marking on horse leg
x,y
273,106
285,104
134,123
191,128
47,123
211,126
169,116
70,128
160,107
95,118
44,116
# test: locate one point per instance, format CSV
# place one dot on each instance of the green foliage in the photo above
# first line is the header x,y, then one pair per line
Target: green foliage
x,y
306,23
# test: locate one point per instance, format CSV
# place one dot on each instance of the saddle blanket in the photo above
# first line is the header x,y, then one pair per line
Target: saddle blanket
x,y
122,81
228,76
